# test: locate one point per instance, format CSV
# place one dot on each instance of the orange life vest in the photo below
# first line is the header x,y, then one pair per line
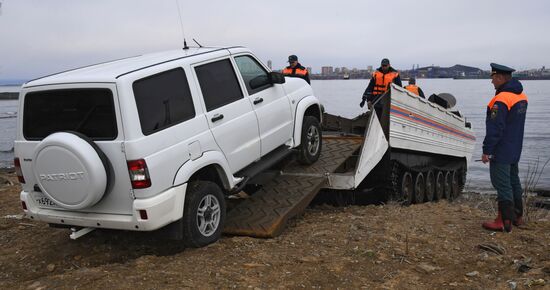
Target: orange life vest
x,y
288,71
507,98
383,81
413,89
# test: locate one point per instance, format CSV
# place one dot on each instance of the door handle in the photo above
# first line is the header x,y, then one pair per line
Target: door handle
x,y
258,100
217,117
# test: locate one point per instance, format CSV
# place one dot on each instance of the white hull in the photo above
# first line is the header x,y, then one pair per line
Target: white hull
x,y
417,124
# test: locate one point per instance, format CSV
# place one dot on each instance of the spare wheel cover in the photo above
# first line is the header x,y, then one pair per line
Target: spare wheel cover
x,y
70,171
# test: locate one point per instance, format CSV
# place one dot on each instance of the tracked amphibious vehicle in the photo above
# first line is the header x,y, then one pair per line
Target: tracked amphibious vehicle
x,y
426,148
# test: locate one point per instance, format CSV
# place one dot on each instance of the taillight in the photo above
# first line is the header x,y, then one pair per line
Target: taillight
x,y
18,170
139,175
143,214
24,205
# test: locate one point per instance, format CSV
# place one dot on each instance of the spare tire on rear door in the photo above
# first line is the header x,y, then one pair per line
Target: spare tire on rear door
x,y
71,170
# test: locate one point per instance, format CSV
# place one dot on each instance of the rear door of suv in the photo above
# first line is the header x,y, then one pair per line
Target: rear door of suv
x,y
89,109
230,114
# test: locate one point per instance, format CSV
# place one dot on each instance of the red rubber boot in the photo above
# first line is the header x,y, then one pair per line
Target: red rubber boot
x,y
496,225
519,221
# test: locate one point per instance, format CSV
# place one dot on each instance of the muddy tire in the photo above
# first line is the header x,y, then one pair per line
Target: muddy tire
x,y
430,185
455,184
406,188
203,215
447,188
439,185
419,188
311,142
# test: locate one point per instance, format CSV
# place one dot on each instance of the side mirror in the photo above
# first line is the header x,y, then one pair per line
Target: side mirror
x,y
276,78
259,81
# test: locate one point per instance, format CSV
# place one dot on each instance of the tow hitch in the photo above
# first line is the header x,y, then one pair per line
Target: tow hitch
x,y
79,232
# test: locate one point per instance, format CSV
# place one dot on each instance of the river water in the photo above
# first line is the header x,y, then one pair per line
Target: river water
x,y
342,97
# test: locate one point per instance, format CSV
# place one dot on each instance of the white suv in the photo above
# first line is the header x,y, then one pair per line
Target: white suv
x,y
158,140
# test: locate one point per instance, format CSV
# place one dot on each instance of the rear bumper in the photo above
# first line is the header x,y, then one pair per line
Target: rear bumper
x,y
161,209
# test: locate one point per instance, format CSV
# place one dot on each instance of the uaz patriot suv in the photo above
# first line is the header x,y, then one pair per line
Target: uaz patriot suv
x,y
158,140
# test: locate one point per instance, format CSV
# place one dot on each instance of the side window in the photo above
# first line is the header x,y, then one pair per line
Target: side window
x,y
218,83
254,75
163,100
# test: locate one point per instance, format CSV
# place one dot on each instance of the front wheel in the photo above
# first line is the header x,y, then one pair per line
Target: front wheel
x,y
203,215
311,142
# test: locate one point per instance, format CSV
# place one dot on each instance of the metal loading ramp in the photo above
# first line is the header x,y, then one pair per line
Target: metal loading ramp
x,y
266,212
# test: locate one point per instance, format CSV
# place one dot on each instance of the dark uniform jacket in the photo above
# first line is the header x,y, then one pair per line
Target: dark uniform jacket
x,y
369,91
505,123
298,72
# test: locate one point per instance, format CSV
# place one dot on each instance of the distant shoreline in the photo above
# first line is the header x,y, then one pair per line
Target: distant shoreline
x,y
9,96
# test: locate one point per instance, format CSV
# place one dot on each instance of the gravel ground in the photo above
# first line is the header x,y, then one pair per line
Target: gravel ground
x,y
428,246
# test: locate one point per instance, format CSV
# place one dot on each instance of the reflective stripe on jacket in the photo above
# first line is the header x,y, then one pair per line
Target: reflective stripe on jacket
x,y
383,81
288,71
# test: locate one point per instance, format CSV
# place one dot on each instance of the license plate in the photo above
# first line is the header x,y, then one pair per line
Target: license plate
x,y
43,201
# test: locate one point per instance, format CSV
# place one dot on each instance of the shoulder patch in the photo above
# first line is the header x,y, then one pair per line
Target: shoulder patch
x,y
494,111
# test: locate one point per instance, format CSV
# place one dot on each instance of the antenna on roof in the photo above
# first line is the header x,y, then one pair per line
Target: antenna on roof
x,y
197,43
181,26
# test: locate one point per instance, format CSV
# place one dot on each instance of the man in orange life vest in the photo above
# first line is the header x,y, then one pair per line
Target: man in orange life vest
x,y
380,82
502,146
413,88
295,69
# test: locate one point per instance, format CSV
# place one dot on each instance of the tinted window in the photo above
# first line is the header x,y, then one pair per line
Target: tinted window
x,y
163,100
88,111
252,70
218,83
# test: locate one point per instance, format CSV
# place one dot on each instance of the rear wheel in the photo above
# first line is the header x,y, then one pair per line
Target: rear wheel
x,y
203,215
430,185
311,142
419,188
455,184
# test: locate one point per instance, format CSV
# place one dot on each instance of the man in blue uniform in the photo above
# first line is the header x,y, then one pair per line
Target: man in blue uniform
x,y
502,146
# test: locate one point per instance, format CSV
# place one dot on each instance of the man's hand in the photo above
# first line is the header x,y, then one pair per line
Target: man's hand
x,y
362,104
485,158
369,105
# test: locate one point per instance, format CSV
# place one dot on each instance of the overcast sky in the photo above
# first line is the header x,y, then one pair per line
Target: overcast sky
x,y
45,36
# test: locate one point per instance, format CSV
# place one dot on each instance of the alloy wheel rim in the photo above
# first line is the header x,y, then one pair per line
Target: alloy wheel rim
x,y
208,215
312,140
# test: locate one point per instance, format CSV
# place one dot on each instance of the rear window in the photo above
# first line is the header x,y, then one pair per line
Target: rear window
x,y
88,111
163,100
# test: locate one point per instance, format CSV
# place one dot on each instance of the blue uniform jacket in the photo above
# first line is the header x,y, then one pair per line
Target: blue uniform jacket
x,y
505,123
